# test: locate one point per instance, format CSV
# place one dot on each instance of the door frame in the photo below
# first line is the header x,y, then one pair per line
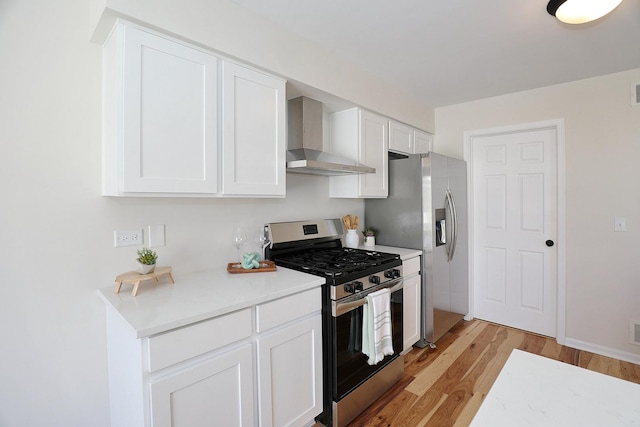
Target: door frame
x,y
558,126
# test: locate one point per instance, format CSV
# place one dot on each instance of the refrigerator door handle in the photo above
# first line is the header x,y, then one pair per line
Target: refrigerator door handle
x,y
454,228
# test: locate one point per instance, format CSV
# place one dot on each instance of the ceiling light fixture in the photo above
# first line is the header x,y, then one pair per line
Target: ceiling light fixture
x,y
580,11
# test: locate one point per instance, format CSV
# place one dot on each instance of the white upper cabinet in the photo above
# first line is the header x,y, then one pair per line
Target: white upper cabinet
x,y
253,143
400,137
161,116
406,140
169,131
422,142
362,136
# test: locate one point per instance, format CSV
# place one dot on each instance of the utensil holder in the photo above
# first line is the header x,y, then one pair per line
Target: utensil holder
x,y
351,240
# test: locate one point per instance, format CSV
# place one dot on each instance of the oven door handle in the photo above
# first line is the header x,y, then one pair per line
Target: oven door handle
x,y
339,308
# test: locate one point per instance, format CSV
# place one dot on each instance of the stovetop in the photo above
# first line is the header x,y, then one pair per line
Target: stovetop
x,y
339,265
315,247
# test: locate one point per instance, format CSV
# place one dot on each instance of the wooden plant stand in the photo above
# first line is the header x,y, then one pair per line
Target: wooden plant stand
x,y
135,278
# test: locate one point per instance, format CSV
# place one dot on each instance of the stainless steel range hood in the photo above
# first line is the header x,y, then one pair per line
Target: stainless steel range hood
x,y
305,153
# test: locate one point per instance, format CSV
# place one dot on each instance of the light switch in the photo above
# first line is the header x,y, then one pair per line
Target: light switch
x,y
620,224
156,235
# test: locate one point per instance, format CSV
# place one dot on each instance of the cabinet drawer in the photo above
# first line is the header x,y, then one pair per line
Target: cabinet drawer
x,y
411,266
175,346
280,311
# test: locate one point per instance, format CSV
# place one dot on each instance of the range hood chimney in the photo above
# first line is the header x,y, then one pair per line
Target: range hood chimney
x,y
305,153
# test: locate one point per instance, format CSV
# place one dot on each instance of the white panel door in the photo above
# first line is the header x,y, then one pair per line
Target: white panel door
x,y
411,295
515,216
422,142
374,144
216,392
253,143
290,374
169,116
400,137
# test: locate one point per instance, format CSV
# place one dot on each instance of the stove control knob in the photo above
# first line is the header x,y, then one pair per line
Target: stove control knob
x,y
374,279
353,287
392,274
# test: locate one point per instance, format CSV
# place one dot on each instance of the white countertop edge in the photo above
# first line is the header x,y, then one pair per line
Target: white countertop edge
x,y
200,296
404,253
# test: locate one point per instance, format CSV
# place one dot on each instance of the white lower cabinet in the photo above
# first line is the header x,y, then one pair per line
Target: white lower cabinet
x,y
259,366
411,295
289,383
220,389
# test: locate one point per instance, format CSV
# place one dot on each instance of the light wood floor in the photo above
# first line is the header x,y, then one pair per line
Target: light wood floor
x,y
445,386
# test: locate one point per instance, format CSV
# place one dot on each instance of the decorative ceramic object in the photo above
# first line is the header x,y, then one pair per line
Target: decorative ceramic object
x,y
369,234
146,261
351,240
145,268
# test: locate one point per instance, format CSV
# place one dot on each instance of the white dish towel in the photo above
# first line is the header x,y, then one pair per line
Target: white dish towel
x,y
376,326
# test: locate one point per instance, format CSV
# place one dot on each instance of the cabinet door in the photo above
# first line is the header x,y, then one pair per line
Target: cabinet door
x,y
411,312
374,144
253,147
400,137
422,142
290,374
218,391
169,114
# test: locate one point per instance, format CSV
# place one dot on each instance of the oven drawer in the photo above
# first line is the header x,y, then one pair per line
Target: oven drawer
x,y
181,344
283,310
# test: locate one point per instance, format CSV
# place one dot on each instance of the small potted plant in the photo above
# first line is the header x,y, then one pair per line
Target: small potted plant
x,y
369,236
146,261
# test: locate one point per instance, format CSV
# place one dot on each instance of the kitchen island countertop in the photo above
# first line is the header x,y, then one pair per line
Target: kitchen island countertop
x,y
532,390
198,296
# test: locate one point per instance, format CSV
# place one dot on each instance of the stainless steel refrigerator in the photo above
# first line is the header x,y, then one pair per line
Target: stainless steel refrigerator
x,y
427,209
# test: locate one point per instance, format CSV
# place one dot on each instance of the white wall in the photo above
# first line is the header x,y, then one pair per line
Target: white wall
x,y
56,231
602,182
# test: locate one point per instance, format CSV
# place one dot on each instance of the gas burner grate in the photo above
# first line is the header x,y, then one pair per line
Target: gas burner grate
x,y
335,262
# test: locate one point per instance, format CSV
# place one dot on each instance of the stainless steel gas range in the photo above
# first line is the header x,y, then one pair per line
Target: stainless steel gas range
x,y
350,384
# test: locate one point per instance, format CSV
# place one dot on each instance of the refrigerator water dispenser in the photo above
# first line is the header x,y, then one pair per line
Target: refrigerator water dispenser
x,y
441,227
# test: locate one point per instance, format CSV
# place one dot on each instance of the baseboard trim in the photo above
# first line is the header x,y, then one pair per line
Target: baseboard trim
x,y
603,351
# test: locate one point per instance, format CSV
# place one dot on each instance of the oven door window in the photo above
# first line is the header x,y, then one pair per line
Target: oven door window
x,y
351,364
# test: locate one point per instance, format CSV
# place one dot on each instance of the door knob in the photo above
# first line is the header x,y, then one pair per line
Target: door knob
x,y
549,243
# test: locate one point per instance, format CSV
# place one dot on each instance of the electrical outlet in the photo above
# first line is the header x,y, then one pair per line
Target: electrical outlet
x,y
127,238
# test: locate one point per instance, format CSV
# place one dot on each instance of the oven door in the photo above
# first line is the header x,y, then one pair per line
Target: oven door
x,y
351,367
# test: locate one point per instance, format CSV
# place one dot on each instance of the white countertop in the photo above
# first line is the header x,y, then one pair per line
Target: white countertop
x,y
201,295
404,253
536,391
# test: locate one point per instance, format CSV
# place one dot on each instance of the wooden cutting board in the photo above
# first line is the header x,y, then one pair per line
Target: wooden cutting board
x,y
265,266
